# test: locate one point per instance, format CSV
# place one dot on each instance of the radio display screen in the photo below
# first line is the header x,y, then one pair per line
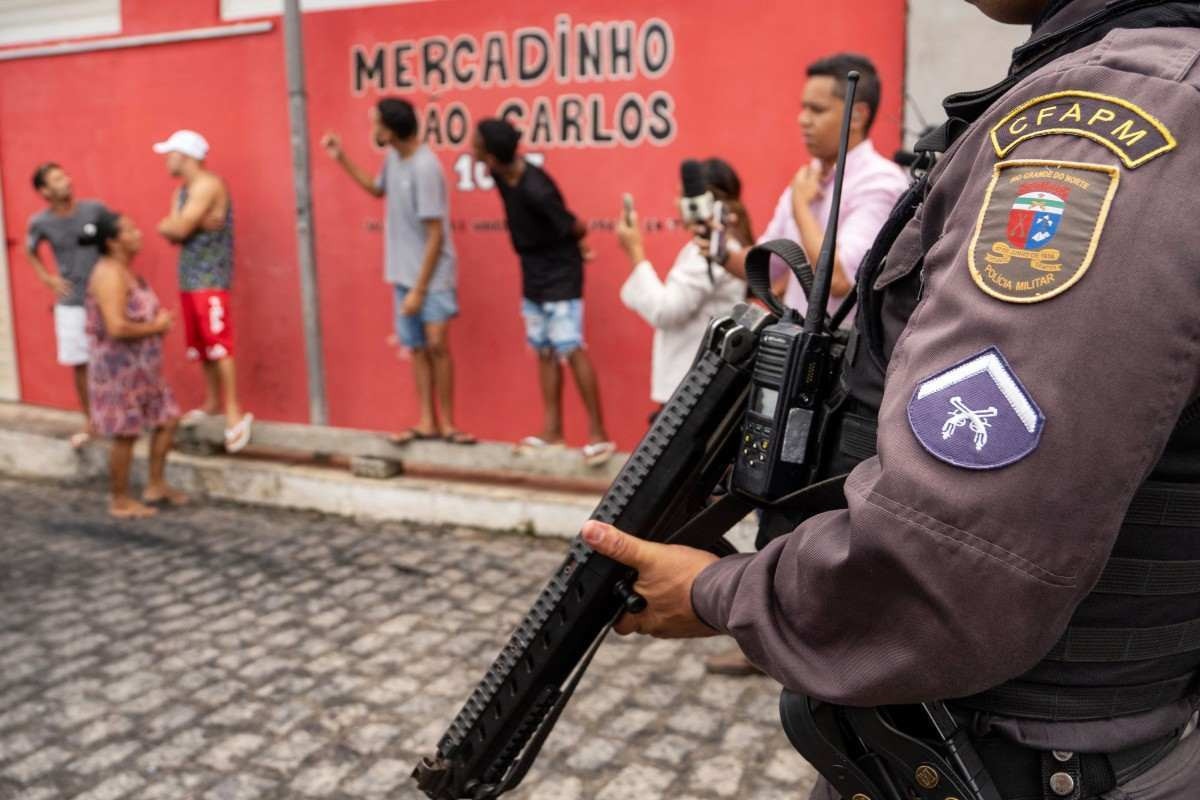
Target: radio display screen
x,y
765,401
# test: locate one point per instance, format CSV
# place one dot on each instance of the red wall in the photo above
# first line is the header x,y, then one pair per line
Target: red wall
x,y
734,80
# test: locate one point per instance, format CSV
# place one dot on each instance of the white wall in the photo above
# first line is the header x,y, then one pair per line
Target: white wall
x,y
39,20
245,9
952,47
10,388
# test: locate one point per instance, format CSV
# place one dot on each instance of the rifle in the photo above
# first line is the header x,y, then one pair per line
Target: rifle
x,y
665,484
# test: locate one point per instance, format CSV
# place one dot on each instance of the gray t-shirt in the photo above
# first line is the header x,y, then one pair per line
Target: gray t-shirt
x,y
415,191
74,260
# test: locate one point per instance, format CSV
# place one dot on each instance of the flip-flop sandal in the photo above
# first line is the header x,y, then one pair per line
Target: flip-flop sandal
x,y
597,454
460,437
130,514
412,435
533,444
237,437
166,501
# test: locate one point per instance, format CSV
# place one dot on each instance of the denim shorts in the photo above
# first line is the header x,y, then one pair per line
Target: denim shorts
x,y
438,307
557,325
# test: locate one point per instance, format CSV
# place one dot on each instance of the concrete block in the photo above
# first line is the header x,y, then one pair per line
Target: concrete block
x,y
378,468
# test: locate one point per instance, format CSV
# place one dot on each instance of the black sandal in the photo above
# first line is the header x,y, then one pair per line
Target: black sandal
x,y
412,435
459,437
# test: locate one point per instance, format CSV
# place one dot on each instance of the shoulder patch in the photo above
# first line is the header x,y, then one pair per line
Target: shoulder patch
x,y
1135,136
976,414
1039,227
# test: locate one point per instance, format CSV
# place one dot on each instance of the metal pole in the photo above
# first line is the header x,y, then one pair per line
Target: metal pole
x,y
318,407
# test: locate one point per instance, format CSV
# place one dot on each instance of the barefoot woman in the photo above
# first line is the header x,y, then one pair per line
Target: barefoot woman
x,y
125,326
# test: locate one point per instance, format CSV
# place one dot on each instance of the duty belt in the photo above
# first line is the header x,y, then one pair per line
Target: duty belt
x,y
1024,773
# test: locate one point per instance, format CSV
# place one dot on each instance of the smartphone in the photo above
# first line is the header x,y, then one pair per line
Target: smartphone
x,y
627,202
716,236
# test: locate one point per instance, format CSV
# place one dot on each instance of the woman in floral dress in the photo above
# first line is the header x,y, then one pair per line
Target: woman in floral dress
x,y
125,326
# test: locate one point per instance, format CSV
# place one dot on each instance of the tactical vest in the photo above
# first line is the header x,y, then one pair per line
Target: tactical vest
x,y
1133,644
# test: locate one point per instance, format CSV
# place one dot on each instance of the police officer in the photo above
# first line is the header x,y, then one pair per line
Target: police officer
x,y
1026,543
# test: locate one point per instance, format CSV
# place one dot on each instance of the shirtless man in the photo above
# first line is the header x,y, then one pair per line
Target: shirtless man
x,y
201,223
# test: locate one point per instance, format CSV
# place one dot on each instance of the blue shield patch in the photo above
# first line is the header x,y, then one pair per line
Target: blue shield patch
x,y
976,414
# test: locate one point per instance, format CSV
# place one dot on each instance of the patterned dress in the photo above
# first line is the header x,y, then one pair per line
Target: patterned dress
x,y
127,391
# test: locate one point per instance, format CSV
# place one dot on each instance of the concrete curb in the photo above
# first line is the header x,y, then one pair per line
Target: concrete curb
x,y
39,449
331,491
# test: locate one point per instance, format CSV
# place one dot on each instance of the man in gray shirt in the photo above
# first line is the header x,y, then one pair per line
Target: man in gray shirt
x,y
419,260
60,224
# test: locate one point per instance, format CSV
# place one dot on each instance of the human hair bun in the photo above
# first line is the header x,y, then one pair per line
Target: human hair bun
x,y
104,228
90,235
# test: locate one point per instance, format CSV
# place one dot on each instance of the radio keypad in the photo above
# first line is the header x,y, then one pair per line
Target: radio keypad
x,y
756,441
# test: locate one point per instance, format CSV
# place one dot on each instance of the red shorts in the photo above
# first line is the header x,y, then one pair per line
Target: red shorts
x,y
207,324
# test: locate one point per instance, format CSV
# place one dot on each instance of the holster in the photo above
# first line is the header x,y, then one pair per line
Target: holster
x,y
917,752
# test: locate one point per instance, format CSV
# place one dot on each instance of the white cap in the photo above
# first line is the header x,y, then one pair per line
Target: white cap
x,y
187,142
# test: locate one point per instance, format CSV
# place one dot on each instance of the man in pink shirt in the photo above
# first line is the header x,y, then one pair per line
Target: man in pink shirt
x,y
873,182
872,186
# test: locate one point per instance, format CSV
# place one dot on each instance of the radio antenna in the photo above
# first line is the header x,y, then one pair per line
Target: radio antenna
x,y
814,320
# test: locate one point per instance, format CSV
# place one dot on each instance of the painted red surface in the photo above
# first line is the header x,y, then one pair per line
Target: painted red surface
x,y
734,83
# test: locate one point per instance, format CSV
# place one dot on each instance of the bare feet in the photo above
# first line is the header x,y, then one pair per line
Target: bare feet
x,y
164,495
128,508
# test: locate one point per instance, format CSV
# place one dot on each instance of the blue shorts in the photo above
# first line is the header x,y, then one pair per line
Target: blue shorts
x,y
557,325
438,307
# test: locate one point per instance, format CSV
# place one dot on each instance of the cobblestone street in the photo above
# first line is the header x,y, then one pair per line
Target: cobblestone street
x,y
223,652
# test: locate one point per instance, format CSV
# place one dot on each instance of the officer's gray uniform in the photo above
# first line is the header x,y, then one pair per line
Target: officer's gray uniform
x,y
1040,317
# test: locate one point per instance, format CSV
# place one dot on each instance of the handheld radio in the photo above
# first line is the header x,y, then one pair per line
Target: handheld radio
x,y
795,363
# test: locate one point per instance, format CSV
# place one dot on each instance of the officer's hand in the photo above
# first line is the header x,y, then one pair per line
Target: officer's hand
x,y
665,576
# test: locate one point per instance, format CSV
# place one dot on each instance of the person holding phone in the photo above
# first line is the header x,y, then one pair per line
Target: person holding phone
x,y
680,306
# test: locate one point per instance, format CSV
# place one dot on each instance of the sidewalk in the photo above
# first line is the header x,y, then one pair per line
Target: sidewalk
x,y
222,652
33,444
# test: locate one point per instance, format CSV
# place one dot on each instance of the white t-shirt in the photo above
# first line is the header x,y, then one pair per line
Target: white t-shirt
x,y
680,309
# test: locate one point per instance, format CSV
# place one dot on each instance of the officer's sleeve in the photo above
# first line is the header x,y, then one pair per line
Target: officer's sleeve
x,y
943,579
